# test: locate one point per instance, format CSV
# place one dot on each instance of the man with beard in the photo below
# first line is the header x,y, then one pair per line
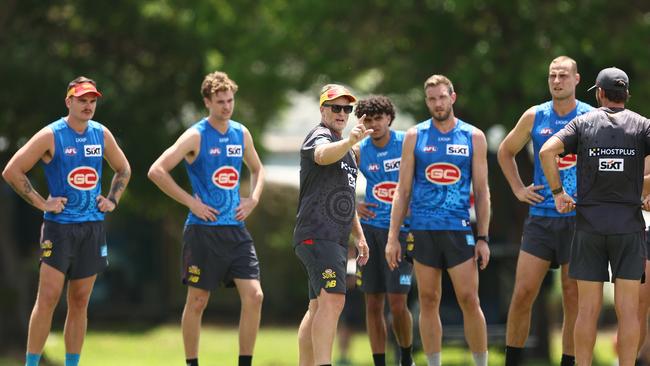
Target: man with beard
x,y
442,159
547,234
378,157
73,241
326,216
611,143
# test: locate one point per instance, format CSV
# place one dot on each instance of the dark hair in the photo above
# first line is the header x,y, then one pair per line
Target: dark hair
x,y
617,96
80,80
374,105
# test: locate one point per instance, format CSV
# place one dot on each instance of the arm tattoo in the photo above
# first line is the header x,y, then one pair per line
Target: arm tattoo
x,y
119,183
25,190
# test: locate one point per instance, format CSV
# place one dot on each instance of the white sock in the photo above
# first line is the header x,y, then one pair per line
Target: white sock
x,y
480,358
433,359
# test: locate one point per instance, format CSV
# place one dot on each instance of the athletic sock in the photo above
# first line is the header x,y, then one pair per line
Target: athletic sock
x,y
513,355
192,362
245,360
379,359
433,359
568,360
32,359
406,358
480,358
71,359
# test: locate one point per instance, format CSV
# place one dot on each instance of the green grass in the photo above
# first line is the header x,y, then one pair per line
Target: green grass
x,y
275,347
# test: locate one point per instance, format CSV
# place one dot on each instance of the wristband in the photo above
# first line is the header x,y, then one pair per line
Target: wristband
x,y
113,200
485,238
557,190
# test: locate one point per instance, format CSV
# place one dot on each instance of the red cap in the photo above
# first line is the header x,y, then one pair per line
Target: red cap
x,y
81,89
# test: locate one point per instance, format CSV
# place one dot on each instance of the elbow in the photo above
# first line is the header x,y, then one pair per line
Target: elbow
x,y
154,173
6,174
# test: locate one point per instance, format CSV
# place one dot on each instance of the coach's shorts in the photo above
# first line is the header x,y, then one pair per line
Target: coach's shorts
x,y
78,250
325,262
591,253
376,277
443,248
214,255
549,238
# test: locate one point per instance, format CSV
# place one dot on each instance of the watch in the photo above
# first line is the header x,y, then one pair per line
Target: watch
x,y
485,238
113,200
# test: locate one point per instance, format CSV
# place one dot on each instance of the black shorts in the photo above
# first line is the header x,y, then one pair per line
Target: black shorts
x,y
325,262
647,243
217,254
78,250
591,253
443,248
549,238
376,277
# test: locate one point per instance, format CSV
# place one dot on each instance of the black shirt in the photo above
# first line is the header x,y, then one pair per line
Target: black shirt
x,y
611,145
326,203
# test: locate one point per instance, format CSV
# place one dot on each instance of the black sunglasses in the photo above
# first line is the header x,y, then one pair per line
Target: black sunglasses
x,y
338,108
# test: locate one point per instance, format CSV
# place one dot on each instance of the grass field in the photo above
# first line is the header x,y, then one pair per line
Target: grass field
x,y
275,347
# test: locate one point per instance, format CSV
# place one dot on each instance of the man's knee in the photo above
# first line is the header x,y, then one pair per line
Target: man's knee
x,y
523,297
397,305
253,298
374,305
48,298
430,300
333,302
196,303
468,301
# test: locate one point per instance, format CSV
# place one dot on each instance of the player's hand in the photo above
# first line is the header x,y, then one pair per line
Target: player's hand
x,y
364,212
529,194
646,203
564,203
393,253
482,254
104,204
203,211
246,206
363,251
55,204
359,132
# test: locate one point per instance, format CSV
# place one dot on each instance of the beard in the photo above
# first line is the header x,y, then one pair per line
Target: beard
x,y
441,116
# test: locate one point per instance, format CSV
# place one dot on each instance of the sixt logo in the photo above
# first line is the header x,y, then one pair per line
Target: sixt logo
x,y
546,131
373,167
392,165
429,149
70,151
610,165
233,151
92,151
215,151
442,173
460,150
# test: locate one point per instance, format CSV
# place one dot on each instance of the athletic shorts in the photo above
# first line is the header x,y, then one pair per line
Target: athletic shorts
x,y
325,263
647,243
591,253
214,255
443,248
78,250
549,238
376,277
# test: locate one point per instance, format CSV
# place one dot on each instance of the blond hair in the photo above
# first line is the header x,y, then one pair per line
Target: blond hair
x,y
566,59
216,82
435,80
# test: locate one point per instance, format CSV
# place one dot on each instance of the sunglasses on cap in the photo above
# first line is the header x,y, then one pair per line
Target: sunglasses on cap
x,y
338,108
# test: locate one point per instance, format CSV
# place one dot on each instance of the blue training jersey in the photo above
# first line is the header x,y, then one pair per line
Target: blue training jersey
x,y
443,176
546,124
215,172
75,172
380,167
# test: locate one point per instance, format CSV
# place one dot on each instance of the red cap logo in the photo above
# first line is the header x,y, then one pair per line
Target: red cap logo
x,y
225,177
83,178
567,161
384,191
443,173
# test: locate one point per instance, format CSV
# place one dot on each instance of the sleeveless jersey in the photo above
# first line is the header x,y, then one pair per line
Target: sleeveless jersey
x,y
75,172
443,176
380,167
546,124
215,172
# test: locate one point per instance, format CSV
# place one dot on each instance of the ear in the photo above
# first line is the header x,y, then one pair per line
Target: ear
x,y
453,97
577,78
68,102
206,101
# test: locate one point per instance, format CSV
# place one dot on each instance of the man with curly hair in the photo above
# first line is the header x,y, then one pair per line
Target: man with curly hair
x,y
217,248
378,157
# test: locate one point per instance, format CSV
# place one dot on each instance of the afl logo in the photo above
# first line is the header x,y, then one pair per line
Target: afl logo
x,y
225,177
384,191
83,178
442,173
567,161
545,131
